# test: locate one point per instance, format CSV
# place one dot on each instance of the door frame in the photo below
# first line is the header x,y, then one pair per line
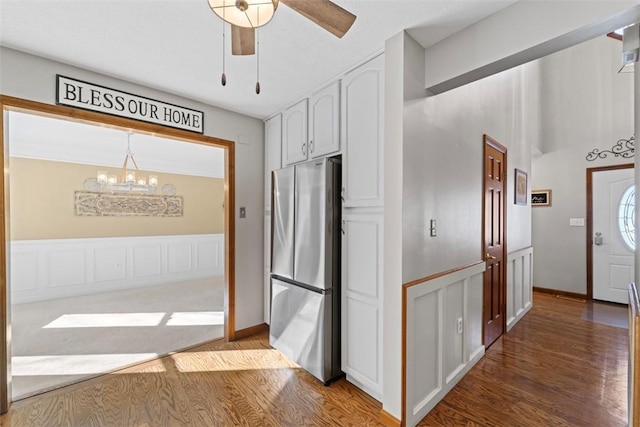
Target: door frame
x,y
589,231
7,104
488,141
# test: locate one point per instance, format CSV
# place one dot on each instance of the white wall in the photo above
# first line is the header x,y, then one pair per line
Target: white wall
x,y
33,78
392,255
436,173
443,168
585,105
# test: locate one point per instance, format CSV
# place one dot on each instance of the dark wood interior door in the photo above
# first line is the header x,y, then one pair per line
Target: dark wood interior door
x,y
494,306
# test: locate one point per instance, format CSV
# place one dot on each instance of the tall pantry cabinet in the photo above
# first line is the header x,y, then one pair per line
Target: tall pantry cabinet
x,y
345,117
362,173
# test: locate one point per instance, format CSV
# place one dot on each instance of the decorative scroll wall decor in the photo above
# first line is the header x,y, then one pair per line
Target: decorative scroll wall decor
x,y
624,148
104,204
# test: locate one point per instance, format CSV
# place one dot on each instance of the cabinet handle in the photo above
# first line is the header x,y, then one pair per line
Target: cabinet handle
x,y
304,153
311,146
342,194
342,228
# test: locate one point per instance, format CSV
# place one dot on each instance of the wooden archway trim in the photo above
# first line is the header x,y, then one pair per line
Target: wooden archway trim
x,y
8,103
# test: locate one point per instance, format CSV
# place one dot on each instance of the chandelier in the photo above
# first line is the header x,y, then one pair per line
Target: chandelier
x,y
129,181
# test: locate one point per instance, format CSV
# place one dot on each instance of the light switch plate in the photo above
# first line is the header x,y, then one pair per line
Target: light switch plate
x,y
243,212
576,222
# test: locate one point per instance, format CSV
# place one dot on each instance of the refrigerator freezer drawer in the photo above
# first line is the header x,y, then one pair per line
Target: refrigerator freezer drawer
x,y
301,327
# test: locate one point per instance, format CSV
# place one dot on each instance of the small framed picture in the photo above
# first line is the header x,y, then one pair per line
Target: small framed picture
x,y
520,187
541,198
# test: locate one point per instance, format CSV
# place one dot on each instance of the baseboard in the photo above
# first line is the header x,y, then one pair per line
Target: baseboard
x,y
574,295
389,420
251,331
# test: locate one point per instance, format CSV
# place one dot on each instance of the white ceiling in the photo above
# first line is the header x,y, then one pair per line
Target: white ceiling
x,y
176,45
40,137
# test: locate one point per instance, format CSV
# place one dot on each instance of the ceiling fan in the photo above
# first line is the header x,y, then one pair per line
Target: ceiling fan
x,y
247,15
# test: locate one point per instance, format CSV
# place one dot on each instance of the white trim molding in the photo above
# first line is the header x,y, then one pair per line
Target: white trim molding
x,y
519,285
56,268
443,336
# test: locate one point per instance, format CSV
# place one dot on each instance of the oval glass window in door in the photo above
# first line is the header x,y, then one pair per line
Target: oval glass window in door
x,y
627,217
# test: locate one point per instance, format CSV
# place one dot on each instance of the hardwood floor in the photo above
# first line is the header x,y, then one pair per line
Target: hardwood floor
x,y
558,366
555,367
244,383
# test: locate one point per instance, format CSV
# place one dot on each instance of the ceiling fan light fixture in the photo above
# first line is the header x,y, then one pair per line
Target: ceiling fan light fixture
x,y
245,13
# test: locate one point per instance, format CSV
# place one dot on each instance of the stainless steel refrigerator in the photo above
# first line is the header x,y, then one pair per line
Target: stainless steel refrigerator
x,y
305,265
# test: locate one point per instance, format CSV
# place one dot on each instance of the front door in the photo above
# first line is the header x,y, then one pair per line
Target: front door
x,y
495,156
613,233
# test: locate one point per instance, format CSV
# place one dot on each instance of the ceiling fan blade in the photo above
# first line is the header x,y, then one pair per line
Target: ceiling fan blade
x,y
325,13
243,40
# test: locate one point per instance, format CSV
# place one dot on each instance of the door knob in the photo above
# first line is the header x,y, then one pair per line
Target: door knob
x,y
598,240
488,256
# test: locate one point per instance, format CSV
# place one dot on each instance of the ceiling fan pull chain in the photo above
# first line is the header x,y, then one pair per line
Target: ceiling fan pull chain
x,y
224,75
258,57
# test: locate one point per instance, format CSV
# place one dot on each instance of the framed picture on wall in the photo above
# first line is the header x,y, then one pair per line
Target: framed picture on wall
x,y
520,187
541,198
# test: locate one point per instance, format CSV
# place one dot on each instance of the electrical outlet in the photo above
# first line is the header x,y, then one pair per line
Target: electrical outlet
x,y
459,325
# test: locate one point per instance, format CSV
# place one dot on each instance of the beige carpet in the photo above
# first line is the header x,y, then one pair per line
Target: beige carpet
x,y
62,341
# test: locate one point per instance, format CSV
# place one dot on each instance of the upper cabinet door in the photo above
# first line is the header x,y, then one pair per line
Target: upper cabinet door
x,y
324,121
272,154
294,134
363,133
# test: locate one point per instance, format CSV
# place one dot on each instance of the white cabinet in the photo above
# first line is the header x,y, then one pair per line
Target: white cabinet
x,y
294,134
362,127
361,301
311,128
272,154
363,133
324,121
345,117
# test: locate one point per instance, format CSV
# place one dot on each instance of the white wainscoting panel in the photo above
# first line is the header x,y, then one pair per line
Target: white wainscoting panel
x,y
66,267
180,258
438,353
109,264
24,265
519,285
56,268
209,254
147,260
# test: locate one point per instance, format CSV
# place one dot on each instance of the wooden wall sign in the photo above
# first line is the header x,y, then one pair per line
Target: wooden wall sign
x,y
89,96
106,204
